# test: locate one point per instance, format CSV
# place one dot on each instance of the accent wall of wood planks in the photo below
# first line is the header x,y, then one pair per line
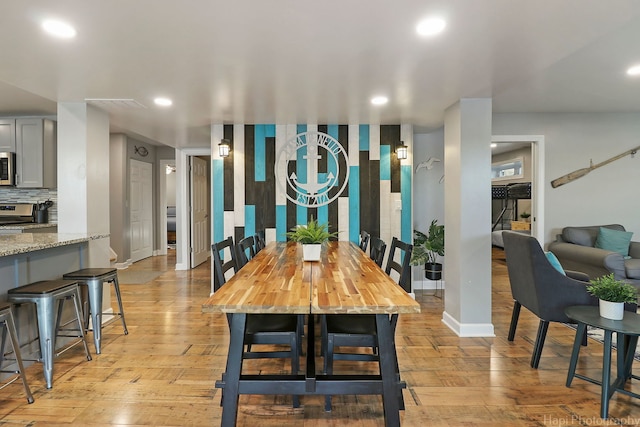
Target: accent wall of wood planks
x,y
346,280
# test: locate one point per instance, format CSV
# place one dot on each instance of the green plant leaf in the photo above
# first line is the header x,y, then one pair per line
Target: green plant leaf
x,y
611,289
427,247
313,232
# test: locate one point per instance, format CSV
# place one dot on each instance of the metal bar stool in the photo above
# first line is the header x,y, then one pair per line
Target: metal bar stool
x,y
6,318
45,295
93,279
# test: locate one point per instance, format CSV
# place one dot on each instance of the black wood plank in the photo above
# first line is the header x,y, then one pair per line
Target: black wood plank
x,y
227,166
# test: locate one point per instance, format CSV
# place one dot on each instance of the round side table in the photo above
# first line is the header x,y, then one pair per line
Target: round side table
x,y
627,330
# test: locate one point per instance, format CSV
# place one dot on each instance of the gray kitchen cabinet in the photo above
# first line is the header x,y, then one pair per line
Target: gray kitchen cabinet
x,y
7,135
36,154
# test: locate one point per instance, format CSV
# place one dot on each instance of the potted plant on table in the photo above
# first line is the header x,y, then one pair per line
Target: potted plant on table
x,y
612,293
525,216
427,248
312,236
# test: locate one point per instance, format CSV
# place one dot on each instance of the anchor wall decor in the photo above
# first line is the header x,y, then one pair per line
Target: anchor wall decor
x,y
312,188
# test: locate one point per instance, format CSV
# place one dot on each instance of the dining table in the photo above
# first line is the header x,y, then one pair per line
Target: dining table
x,y
345,281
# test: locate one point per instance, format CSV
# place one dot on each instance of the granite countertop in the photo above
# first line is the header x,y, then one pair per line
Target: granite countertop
x,y
12,244
28,226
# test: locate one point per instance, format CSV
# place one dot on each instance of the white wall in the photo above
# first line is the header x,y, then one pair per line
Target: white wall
x,y
428,191
606,195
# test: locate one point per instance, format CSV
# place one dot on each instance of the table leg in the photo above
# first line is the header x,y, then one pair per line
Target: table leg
x,y
388,363
632,344
606,375
234,368
576,351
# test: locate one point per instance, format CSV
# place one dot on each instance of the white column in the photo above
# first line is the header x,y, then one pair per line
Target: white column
x,y
467,155
83,175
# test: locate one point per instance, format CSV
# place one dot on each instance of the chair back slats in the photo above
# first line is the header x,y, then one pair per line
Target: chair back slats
x,y
245,250
378,248
402,268
364,240
260,241
221,267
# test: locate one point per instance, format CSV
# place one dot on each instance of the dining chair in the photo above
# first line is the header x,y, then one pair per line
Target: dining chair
x,y
245,250
270,329
260,241
378,248
359,330
364,240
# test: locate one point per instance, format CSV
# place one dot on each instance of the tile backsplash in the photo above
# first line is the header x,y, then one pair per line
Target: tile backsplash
x,y
35,195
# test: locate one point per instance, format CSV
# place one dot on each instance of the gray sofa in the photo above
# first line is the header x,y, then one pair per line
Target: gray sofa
x,y
575,250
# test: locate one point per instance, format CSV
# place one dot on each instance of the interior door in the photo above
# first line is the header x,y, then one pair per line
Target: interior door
x,y
199,201
141,209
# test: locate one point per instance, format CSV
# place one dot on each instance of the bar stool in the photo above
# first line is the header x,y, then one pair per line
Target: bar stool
x,y
6,318
93,279
45,295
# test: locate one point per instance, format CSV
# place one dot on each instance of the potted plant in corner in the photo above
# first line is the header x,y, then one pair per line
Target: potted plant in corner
x,y
312,236
427,248
612,293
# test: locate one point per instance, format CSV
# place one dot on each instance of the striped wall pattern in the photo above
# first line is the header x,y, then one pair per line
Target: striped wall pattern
x,y
247,199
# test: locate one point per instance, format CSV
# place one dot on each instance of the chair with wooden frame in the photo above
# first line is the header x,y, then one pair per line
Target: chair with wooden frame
x,y
377,250
364,240
359,330
260,241
271,329
245,250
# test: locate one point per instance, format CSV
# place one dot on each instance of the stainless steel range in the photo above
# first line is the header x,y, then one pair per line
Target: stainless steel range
x,y
16,213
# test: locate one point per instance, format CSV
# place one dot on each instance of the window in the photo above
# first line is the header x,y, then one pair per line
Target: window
x,y
508,169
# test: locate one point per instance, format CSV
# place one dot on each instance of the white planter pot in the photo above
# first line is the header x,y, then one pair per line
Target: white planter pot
x,y
311,252
611,310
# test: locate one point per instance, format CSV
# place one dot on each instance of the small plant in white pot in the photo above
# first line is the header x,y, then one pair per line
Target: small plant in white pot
x,y
612,293
312,236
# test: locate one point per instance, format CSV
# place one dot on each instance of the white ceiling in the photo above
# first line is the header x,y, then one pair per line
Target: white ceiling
x,y
300,61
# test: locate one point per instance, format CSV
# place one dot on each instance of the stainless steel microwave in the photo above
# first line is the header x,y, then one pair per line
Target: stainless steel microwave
x,y
7,168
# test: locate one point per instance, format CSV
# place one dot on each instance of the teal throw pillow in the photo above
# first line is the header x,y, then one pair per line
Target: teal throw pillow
x,y
553,260
614,240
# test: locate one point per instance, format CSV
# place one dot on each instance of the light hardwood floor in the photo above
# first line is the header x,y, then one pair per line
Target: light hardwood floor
x,y
163,372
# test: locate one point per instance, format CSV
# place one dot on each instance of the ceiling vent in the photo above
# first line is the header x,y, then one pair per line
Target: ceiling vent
x,y
119,104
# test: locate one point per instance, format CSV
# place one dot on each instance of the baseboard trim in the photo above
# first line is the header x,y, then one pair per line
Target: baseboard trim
x,y
428,284
182,266
468,329
123,265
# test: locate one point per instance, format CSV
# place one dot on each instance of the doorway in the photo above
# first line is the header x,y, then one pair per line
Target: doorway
x,y
141,209
536,144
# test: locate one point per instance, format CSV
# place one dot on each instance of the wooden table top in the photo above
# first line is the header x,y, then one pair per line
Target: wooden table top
x,y
345,280
348,281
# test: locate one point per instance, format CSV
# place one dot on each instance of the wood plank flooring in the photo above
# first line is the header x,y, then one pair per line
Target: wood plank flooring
x,y
163,372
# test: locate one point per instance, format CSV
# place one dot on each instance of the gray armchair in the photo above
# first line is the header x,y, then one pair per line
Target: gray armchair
x,y
539,287
575,249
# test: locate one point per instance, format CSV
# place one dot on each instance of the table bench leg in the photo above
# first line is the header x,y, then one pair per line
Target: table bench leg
x,y
580,332
606,375
388,364
232,373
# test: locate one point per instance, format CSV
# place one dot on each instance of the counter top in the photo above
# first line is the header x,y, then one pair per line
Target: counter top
x,y
12,244
28,226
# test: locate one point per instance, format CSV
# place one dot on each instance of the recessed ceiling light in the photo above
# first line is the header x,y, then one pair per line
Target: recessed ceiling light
x,y
494,145
59,29
634,71
379,100
163,102
431,26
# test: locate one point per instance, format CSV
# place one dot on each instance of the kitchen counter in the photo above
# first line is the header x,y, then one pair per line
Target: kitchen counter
x,y
26,228
21,243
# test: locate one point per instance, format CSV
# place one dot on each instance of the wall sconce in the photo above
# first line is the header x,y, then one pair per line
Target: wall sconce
x,y
224,148
401,151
